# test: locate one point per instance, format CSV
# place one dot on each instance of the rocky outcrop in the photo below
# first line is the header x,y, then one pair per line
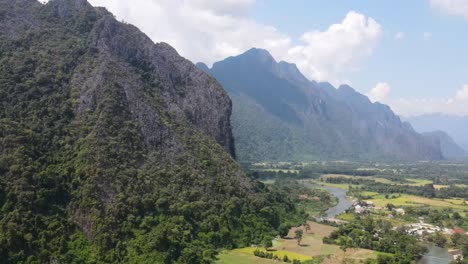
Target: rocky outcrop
x,y
107,139
188,93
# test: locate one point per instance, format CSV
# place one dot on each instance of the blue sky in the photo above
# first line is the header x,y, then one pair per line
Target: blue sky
x,y
413,66
340,41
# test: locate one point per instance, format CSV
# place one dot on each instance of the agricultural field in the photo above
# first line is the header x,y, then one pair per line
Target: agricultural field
x,y
377,179
402,199
411,200
433,193
311,246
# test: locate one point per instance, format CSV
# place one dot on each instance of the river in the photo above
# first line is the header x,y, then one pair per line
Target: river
x,y
343,202
436,255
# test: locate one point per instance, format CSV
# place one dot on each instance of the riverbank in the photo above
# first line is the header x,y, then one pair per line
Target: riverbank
x,y
436,255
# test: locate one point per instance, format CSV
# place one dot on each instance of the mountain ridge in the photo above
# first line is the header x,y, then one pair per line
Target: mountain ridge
x,y
450,149
339,123
455,126
114,149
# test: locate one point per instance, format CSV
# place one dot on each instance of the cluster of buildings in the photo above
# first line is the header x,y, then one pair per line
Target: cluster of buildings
x,y
363,207
422,229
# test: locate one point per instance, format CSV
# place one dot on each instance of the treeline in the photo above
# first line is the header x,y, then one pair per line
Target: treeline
x,y
453,191
445,173
295,190
377,235
270,255
341,180
445,217
337,168
279,174
426,190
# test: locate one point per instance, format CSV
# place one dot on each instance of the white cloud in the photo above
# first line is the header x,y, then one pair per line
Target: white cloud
x,y
458,105
329,55
208,31
451,7
427,35
225,6
200,30
462,94
380,92
399,35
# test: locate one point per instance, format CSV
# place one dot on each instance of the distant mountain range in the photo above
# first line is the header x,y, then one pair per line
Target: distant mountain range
x,y
278,114
450,149
455,126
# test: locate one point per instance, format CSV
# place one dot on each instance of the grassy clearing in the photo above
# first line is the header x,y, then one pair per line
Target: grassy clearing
x,y
311,246
409,200
341,186
312,208
377,179
268,181
236,257
346,217
280,253
418,182
440,186
369,194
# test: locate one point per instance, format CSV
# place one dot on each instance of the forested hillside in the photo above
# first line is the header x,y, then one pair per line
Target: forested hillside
x,y
280,115
114,149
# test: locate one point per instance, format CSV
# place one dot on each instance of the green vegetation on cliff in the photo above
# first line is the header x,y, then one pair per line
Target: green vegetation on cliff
x,y
104,158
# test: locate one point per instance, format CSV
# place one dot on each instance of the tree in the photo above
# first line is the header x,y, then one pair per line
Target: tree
x,y
307,227
267,242
283,230
439,239
456,238
344,247
298,235
456,216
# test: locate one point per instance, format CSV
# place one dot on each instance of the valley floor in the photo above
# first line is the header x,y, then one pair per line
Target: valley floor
x,y
311,246
440,212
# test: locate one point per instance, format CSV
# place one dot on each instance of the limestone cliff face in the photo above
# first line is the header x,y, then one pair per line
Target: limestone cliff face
x,y
100,128
187,93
